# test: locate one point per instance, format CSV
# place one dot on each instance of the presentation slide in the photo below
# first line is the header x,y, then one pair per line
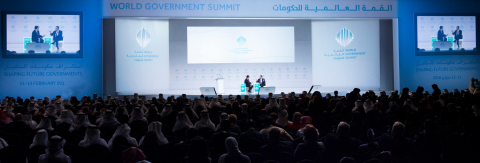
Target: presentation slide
x,y
31,35
241,45
446,33
141,56
346,54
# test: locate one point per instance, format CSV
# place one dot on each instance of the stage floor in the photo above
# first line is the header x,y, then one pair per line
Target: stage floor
x,y
196,93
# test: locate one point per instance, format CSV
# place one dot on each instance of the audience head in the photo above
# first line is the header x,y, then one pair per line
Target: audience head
x,y
274,134
310,134
55,143
398,129
198,148
342,129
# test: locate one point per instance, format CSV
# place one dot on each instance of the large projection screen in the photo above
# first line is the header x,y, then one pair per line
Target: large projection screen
x,y
240,45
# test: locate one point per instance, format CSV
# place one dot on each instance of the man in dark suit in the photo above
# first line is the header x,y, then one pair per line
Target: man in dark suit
x,y
458,35
57,36
440,35
261,80
36,37
248,83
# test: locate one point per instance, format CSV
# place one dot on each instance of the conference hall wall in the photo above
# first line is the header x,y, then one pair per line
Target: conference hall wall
x,y
450,71
153,55
78,76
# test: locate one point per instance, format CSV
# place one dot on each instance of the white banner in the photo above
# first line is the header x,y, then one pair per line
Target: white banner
x,y
251,8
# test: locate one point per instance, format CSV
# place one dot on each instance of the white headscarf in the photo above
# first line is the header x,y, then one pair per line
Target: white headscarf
x,y
358,103
46,124
232,149
51,111
137,114
135,97
223,117
272,103
199,104
182,122
367,105
81,120
283,104
204,121
146,113
283,118
41,138
27,118
121,108
92,136
3,144
123,130
108,120
46,98
64,118
157,128
214,102
50,154
142,105
5,101
39,103
166,110
67,102
31,106
410,103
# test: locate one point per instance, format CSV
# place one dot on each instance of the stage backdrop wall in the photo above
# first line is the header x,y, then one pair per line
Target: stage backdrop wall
x,y
413,72
85,80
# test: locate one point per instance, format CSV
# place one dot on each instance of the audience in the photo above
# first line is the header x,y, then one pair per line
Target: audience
x,y
400,127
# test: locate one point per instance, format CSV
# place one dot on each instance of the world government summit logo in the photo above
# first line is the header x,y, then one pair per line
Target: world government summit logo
x,y
344,37
143,37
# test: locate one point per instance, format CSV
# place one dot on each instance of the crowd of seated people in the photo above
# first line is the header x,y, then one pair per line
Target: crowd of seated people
x,y
410,126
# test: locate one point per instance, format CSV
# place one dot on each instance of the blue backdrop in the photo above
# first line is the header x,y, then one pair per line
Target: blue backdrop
x,y
448,71
84,79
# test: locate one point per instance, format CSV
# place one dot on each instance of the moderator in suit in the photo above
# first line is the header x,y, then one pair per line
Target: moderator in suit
x,y
261,80
248,84
440,35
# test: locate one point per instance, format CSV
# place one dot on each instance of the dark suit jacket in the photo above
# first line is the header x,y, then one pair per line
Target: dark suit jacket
x,y
262,83
441,36
459,36
55,37
247,83
35,36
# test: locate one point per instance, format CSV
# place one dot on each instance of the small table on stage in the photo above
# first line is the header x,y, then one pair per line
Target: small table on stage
x,y
442,45
38,47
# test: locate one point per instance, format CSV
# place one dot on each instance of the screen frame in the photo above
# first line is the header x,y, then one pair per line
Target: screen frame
x,y
417,53
40,55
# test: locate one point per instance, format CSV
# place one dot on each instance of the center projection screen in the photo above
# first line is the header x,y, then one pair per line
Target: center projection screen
x,y
240,45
